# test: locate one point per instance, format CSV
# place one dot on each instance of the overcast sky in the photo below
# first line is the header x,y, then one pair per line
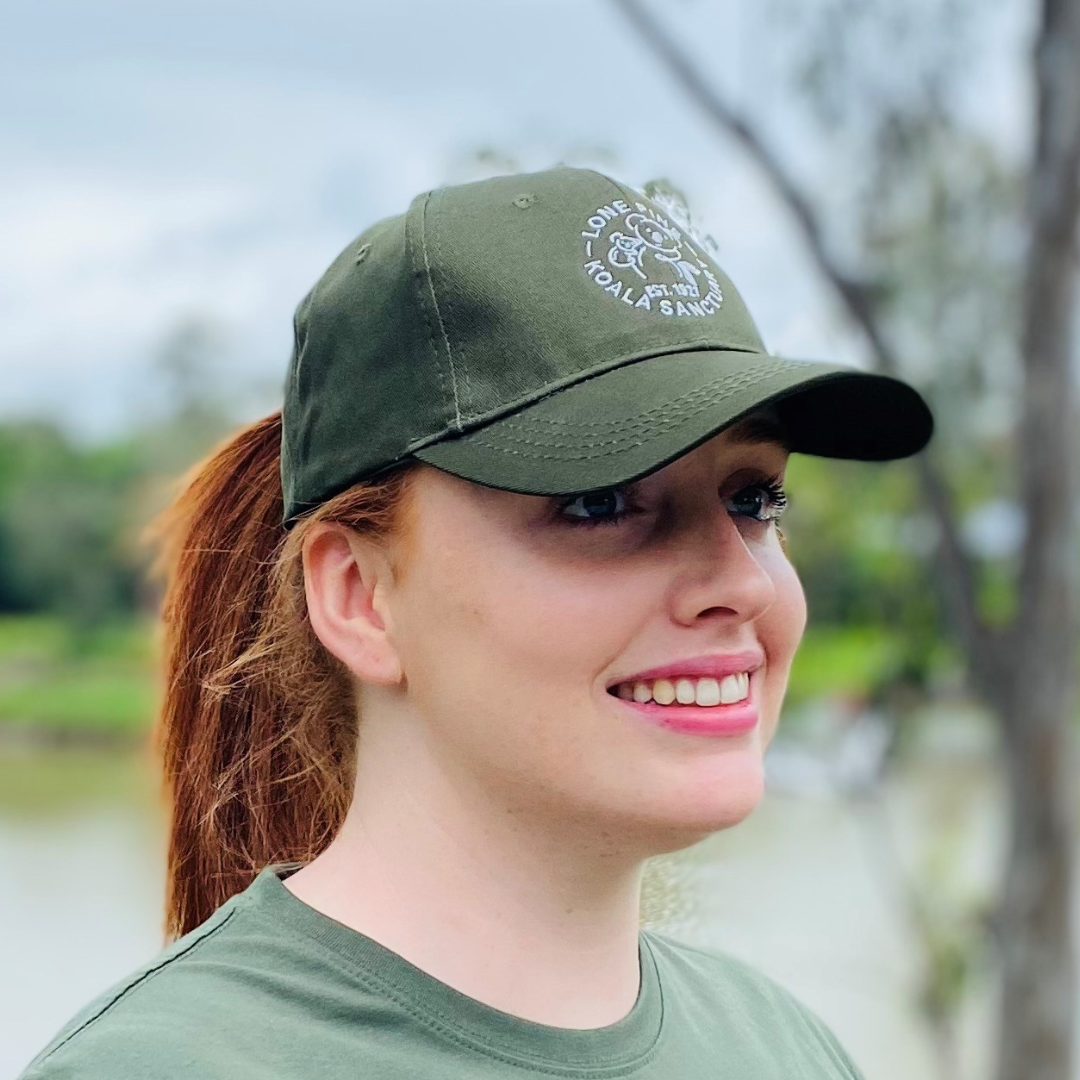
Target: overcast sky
x,y
208,159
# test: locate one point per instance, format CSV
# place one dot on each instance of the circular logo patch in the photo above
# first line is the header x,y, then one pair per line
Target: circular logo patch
x,y
643,258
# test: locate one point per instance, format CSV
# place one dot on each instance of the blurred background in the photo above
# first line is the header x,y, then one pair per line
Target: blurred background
x,y
889,185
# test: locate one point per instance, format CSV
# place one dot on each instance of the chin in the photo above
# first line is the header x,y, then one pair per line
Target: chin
x,y
683,822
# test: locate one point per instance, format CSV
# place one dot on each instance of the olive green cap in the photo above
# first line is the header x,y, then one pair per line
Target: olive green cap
x,y
549,333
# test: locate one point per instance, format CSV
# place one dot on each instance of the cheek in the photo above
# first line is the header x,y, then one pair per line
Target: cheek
x,y
538,629
787,614
519,636
505,690
780,630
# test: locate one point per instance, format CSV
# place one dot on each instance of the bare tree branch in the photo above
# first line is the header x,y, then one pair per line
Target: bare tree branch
x,y
982,643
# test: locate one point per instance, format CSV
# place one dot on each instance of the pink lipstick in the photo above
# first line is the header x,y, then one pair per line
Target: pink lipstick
x,y
699,719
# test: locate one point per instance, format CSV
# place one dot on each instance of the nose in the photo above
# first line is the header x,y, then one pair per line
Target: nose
x,y
722,576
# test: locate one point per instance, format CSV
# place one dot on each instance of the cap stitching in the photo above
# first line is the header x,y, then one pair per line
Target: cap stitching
x,y
618,444
736,383
435,304
642,420
537,393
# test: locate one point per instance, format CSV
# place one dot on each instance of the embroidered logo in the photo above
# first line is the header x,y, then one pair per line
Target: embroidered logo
x,y
645,259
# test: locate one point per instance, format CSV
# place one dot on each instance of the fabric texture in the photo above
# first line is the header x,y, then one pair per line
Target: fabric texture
x,y
268,988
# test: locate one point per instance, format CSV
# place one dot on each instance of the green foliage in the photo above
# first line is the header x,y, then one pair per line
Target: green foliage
x,y
30,639
859,543
71,680
70,513
82,696
60,508
846,661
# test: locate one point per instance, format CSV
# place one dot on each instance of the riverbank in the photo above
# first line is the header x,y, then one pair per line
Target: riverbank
x,y
62,685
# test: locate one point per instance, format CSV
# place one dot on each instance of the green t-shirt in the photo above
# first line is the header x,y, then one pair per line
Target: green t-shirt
x,y
268,988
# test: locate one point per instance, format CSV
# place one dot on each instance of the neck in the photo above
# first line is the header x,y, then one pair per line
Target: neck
x,y
508,909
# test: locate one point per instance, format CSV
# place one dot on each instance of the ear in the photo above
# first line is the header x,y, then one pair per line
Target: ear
x,y
348,580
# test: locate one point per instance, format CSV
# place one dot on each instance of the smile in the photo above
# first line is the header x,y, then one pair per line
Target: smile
x,y
729,690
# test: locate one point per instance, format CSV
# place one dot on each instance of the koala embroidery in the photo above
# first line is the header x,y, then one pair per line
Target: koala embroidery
x,y
673,277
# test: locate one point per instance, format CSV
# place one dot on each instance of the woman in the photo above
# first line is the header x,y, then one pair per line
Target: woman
x,y
494,610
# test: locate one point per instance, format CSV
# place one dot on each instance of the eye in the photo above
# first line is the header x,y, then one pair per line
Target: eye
x,y
766,500
773,498
600,500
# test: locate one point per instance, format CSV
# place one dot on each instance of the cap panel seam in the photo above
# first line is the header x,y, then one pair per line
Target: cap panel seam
x,y
438,313
437,251
415,215
610,179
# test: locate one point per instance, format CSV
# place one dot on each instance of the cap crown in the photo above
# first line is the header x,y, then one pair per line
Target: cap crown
x,y
482,298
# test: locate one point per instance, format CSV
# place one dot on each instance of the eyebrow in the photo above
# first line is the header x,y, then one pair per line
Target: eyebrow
x,y
761,429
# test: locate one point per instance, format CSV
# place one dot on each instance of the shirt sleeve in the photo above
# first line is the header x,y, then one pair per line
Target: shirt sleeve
x,y
119,1047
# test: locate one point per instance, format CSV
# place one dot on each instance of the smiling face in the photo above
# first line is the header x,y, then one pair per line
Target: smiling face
x,y
513,620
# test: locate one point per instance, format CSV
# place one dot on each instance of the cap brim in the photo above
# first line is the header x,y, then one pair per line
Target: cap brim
x,y
629,421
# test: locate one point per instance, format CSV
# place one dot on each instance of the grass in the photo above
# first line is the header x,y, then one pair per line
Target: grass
x,y
58,681
67,781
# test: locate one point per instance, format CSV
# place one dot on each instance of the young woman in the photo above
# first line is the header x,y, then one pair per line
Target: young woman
x,y
494,610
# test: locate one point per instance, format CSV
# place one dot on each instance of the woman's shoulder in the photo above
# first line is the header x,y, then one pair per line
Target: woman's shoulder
x,y
151,1022
717,981
720,973
719,968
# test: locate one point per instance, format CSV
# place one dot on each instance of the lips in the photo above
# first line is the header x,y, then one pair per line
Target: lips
x,y
708,665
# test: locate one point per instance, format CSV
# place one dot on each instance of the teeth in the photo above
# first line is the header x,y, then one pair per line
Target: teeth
x,y
726,691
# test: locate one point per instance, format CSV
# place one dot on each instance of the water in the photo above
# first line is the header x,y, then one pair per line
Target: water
x,y
805,889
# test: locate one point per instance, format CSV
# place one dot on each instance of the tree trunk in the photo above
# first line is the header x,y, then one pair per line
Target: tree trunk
x,y
1037,938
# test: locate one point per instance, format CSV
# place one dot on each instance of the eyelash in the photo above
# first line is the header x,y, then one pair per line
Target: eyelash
x,y
777,498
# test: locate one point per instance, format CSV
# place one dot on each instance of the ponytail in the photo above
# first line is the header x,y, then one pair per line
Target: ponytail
x,y
257,724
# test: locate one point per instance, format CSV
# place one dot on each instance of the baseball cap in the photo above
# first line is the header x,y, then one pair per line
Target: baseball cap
x,y
549,333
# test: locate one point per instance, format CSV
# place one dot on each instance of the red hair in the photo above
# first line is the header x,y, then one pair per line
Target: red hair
x,y
257,723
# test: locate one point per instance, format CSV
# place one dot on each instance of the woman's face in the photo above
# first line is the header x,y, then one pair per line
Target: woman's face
x,y
512,621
